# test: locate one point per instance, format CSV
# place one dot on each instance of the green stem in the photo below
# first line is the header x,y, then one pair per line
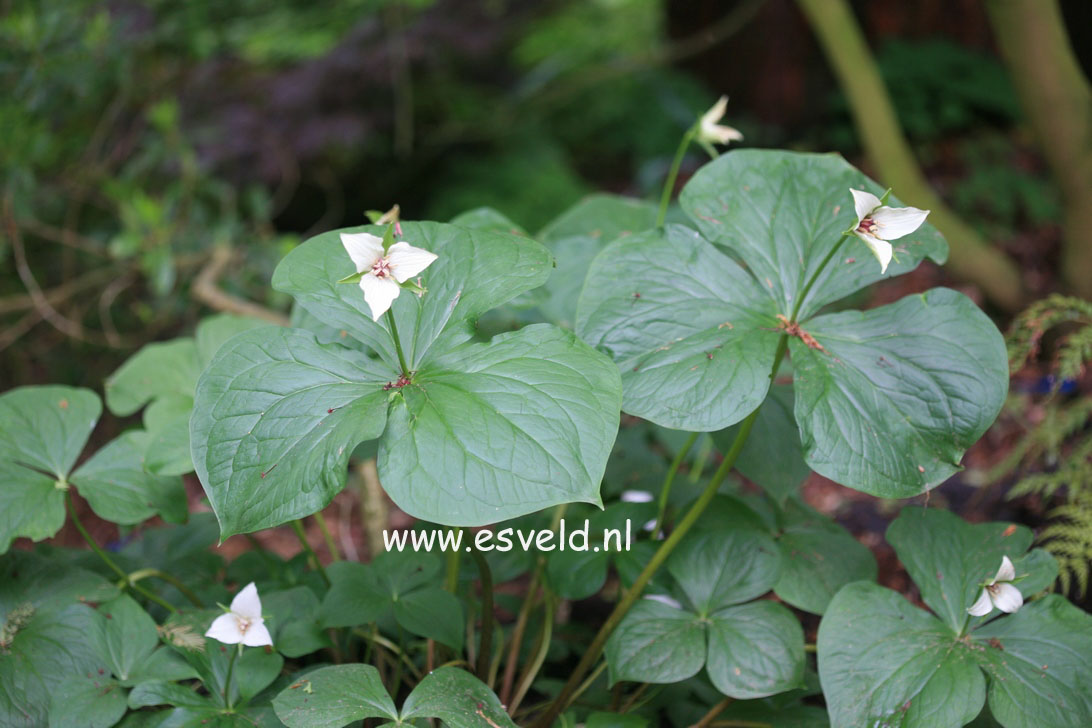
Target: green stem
x,y
397,344
665,491
451,570
230,672
542,647
172,580
331,546
485,645
815,276
673,173
630,597
297,526
124,578
517,634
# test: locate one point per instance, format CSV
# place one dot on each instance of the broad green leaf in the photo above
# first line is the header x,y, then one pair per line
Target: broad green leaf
x,y
885,663
45,428
276,416
457,698
577,574
126,635
295,626
782,212
692,333
1039,661
31,504
761,712
475,271
772,456
755,650
168,446
88,702
118,488
166,693
602,217
818,558
576,237
401,572
331,697
948,558
898,393
494,431
45,626
615,720
656,643
354,598
158,369
489,220
215,331
162,664
716,569
434,613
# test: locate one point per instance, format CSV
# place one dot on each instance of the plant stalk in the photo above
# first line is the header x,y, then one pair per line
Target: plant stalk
x,y
331,545
673,173
397,344
297,526
485,645
665,491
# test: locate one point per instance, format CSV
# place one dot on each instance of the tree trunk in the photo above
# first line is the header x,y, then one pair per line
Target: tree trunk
x,y
1058,102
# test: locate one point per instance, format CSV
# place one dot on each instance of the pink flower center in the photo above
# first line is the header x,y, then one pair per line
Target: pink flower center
x,y
244,624
381,268
868,226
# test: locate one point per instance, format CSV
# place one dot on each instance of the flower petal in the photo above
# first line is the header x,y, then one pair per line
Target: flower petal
x,y
864,203
379,293
363,248
715,113
895,222
982,606
246,603
880,248
1008,598
257,635
721,134
1007,572
407,261
226,629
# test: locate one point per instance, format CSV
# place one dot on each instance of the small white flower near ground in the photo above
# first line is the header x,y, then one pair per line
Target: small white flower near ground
x,y
877,224
384,271
999,592
710,131
243,623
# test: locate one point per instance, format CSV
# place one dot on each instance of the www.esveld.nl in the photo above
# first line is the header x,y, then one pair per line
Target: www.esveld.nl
x,y
506,539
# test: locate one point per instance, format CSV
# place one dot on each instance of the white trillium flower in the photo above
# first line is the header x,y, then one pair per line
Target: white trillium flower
x,y
878,223
244,622
710,131
999,592
384,272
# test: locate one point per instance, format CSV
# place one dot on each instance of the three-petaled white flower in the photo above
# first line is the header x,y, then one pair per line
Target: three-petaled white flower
x,y
710,131
384,271
244,622
999,592
877,224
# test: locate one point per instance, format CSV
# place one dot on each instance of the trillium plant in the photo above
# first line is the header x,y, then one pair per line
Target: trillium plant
x,y
667,374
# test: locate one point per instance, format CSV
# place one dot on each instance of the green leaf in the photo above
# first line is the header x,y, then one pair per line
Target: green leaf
x,y
276,416
88,702
949,558
118,488
1039,661
162,664
716,569
45,626
126,635
158,369
692,333
494,431
576,237
755,650
819,557
354,597
331,697
656,643
294,617
434,613
783,212
475,271
457,698
165,693
31,505
897,394
772,456
885,663
45,428
489,220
